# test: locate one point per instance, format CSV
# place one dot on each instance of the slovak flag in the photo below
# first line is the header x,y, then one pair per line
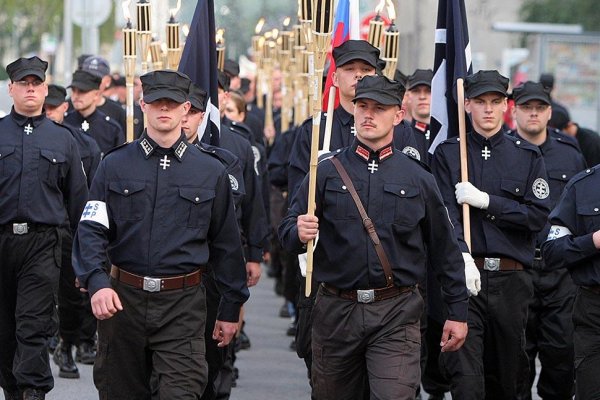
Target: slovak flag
x,y
346,26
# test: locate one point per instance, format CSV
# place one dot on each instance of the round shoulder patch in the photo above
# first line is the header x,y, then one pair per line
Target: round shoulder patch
x,y
540,187
412,152
233,182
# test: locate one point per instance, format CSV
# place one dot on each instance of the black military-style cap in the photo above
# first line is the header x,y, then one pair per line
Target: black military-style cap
x,y
356,50
530,91
117,80
223,80
96,65
85,81
379,88
165,84
547,80
23,67
231,67
400,77
419,77
81,59
56,95
197,97
485,82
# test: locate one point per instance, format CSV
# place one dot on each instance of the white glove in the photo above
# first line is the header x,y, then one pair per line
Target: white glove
x,y
467,193
471,275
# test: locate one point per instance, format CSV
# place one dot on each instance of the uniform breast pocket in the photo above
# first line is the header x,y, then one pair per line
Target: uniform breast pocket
x,y
52,166
589,213
127,200
402,204
338,201
514,188
8,162
195,208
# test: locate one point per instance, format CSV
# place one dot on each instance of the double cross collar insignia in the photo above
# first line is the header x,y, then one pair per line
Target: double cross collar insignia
x,y
85,126
423,127
28,129
165,162
486,153
374,158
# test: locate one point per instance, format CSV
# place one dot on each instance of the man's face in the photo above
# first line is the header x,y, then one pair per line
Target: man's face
x,y
346,76
419,102
84,100
28,95
375,122
486,112
233,113
56,113
191,122
223,99
532,117
165,115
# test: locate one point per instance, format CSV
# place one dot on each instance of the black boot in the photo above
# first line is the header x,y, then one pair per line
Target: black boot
x,y
85,354
12,395
63,357
34,394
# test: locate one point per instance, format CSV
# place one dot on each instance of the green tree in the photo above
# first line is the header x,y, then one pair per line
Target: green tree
x,y
584,12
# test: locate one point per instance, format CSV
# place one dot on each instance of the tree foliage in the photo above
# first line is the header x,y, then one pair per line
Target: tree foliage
x,y
584,12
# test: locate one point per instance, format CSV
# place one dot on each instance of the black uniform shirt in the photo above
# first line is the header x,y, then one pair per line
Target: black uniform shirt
x,y
162,212
422,137
404,203
512,172
115,111
89,151
574,220
563,161
41,179
107,133
342,135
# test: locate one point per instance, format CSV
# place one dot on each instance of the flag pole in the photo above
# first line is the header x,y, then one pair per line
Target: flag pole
x,y
322,29
329,119
464,172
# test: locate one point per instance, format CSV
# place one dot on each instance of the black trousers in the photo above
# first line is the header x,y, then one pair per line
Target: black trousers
x,y
353,342
488,365
550,336
586,319
28,281
76,322
158,335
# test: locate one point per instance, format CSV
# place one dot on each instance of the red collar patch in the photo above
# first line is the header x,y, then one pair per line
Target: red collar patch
x,y
363,152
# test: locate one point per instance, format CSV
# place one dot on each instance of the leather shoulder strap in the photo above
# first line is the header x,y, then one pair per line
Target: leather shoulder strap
x,y
367,223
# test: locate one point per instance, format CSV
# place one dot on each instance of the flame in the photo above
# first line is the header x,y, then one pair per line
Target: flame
x,y
220,36
391,10
268,35
259,25
174,11
380,6
286,22
275,33
126,12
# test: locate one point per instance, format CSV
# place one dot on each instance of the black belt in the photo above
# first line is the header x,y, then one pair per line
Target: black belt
x,y
367,295
594,289
498,264
23,228
156,284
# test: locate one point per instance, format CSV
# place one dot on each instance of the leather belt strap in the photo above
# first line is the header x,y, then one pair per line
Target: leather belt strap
x,y
23,228
498,264
367,223
368,295
156,284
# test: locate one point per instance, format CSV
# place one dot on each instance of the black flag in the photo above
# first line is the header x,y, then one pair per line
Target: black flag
x,y
199,62
452,61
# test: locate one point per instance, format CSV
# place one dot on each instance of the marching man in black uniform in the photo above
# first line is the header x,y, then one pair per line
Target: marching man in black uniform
x,y
508,196
42,185
549,325
574,243
418,99
368,307
164,212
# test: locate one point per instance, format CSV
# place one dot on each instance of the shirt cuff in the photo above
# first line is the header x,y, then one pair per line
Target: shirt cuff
x,y
254,254
229,312
458,311
98,280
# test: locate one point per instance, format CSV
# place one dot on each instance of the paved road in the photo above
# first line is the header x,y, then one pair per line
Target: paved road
x,y
267,370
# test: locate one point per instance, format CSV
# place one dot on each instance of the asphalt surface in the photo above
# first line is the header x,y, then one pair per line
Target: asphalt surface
x,y
268,369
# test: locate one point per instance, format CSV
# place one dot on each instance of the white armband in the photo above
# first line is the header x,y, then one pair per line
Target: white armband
x,y
557,231
95,211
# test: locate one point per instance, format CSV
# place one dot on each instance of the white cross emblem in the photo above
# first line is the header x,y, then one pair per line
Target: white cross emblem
x,y
353,130
427,134
85,126
486,153
28,129
373,166
165,162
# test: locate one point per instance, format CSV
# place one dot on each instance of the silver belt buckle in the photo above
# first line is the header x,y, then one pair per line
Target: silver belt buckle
x,y
151,284
20,229
365,296
491,264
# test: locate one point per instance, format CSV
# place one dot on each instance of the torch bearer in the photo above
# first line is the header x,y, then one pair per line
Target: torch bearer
x,y
173,45
129,55
322,27
376,27
144,33
220,42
